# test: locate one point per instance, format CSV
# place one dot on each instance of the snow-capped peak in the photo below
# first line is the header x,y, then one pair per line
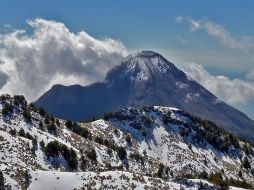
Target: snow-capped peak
x,y
143,65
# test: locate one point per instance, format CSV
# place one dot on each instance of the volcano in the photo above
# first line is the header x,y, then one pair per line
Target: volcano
x,y
144,78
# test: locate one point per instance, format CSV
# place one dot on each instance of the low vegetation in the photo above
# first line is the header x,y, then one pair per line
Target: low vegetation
x,y
74,127
55,149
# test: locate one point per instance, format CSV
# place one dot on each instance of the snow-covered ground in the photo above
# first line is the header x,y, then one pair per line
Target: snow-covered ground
x,y
148,138
48,180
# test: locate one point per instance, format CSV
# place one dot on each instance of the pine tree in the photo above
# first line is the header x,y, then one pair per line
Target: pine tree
x,y
27,114
46,120
69,124
41,125
7,109
22,132
52,148
128,139
52,129
160,170
121,153
246,163
73,161
27,178
92,155
42,112
42,144
83,163
57,122
13,132
2,181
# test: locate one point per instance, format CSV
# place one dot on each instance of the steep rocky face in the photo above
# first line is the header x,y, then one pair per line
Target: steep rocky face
x,y
144,78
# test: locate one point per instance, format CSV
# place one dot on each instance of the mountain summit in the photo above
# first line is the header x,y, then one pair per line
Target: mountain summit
x,y
144,78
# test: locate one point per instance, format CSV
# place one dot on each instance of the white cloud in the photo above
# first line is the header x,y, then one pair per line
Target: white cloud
x,y
218,32
31,62
233,91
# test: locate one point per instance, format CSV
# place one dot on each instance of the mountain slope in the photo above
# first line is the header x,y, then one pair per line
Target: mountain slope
x,y
144,78
152,147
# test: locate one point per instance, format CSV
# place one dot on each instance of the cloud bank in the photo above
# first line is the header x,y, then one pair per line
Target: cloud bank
x,y
233,91
32,61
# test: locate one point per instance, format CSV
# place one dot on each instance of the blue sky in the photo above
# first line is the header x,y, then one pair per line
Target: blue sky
x,y
153,25
132,20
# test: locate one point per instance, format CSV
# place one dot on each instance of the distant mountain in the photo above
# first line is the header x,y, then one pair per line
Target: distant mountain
x,y
149,147
144,78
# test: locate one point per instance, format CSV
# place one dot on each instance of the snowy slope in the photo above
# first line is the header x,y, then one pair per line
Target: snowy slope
x,y
164,142
152,137
45,180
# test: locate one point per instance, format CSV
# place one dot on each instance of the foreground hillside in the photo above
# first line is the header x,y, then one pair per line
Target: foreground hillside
x,y
135,148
